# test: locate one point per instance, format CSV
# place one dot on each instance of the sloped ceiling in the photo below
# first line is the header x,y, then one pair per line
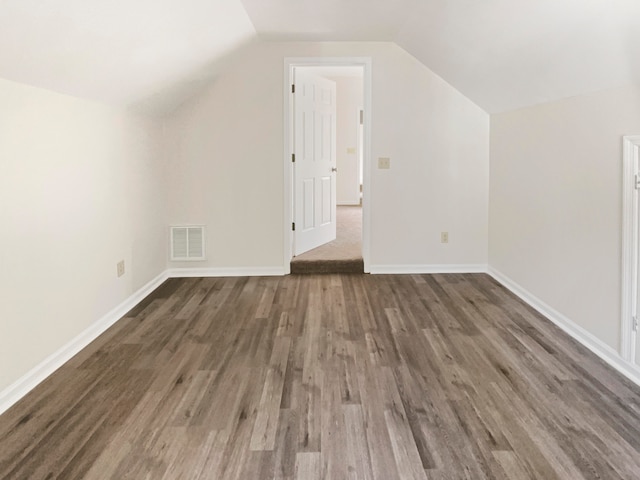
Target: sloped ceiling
x,y
330,20
502,54
505,54
117,51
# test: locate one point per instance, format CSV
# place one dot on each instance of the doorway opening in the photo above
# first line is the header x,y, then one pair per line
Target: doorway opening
x,y
326,175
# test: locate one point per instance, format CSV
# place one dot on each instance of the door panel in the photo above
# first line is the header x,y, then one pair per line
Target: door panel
x,y
314,147
307,135
636,267
636,259
326,214
326,140
308,207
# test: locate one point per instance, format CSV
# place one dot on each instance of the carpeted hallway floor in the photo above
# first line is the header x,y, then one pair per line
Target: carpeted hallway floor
x,y
343,255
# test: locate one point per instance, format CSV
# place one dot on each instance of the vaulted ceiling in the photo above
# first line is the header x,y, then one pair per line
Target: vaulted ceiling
x,y
118,51
502,54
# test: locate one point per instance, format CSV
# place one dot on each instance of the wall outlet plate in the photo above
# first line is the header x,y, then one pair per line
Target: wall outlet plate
x,y
444,237
120,268
384,163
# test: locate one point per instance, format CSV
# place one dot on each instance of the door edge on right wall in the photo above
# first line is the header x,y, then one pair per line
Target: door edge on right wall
x,y
630,258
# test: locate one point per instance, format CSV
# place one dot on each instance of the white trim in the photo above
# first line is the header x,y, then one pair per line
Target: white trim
x,y
289,64
593,343
49,365
37,374
226,272
417,269
629,267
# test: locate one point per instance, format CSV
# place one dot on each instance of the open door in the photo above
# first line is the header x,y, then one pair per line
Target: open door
x,y
315,161
635,336
631,251
633,154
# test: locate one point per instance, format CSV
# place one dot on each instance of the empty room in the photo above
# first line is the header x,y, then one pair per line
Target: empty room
x,y
295,239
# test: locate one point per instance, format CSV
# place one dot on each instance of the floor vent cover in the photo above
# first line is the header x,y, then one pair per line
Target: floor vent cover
x,y
187,242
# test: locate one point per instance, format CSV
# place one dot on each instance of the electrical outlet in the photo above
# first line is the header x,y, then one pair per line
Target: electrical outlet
x,y
444,237
351,150
120,267
384,163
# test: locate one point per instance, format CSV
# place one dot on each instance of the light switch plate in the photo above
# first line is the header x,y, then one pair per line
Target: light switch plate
x,y
351,150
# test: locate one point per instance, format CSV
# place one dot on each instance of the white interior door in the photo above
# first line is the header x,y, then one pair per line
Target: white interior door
x,y
636,253
630,311
315,161
631,181
635,332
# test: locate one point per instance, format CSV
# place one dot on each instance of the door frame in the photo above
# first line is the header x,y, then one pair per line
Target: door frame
x,y
630,212
290,63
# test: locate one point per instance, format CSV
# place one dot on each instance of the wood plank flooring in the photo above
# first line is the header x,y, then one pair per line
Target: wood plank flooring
x,y
328,377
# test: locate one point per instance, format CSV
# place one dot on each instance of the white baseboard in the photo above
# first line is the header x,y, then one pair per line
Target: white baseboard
x,y
593,343
226,272
417,269
31,379
37,374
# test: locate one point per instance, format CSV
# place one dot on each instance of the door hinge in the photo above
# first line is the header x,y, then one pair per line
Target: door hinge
x,y
293,226
293,88
637,182
635,324
293,158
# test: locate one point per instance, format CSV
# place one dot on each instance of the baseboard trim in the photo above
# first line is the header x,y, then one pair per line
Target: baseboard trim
x,y
417,269
40,372
37,374
590,341
226,272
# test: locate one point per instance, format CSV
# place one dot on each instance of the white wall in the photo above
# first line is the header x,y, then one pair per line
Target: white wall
x,y
226,161
349,102
555,203
82,187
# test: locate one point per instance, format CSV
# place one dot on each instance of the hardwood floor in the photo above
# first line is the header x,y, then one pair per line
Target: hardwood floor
x,y
328,376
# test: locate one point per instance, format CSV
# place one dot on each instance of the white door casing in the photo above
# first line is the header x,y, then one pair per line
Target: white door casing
x,y
315,161
290,64
630,341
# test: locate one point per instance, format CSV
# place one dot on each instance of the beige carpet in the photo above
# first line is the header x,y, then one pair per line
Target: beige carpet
x,y
344,254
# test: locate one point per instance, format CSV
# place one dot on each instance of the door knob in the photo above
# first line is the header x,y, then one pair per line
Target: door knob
x,y
334,169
